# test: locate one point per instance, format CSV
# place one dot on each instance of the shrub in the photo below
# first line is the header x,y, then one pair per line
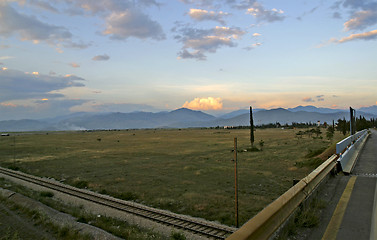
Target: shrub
x,y
46,194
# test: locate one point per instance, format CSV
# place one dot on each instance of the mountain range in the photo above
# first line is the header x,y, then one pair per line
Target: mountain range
x,y
181,118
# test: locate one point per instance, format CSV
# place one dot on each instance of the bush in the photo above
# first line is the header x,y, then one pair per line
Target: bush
x,y
178,236
46,194
80,184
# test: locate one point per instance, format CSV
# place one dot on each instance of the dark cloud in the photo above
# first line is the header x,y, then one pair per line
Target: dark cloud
x,y
242,5
123,18
31,29
43,5
16,85
308,99
184,54
263,15
38,109
132,23
363,13
361,20
320,98
104,57
337,15
198,42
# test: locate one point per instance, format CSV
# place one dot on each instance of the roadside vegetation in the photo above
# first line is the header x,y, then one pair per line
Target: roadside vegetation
x,y
187,171
116,227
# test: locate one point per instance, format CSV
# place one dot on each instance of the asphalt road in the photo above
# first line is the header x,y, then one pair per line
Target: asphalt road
x,y
355,213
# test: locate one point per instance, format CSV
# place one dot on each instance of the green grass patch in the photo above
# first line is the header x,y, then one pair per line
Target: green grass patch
x,y
187,171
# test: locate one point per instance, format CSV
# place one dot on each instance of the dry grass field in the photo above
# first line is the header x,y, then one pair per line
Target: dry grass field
x,y
188,171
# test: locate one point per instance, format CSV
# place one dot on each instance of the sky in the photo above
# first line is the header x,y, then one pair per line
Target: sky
x,y
59,57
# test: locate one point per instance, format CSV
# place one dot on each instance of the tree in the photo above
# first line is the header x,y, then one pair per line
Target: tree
x,y
330,133
251,128
318,131
261,144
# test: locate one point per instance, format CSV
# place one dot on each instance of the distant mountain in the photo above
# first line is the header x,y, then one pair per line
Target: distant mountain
x,y
23,125
138,119
239,112
371,109
180,118
315,109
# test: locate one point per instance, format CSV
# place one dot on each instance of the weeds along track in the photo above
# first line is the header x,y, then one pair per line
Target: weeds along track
x,y
197,226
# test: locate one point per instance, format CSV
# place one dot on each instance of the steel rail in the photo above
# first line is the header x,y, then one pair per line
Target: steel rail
x,y
201,227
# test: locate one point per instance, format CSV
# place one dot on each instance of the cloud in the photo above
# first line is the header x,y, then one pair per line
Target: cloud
x,y
204,15
256,34
184,54
6,57
307,99
30,28
202,3
209,103
253,46
202,41
93,106
361,20
371,35
263,15
3,46
244,4
16,84
104,57
337,15
37,109
132,23
74,65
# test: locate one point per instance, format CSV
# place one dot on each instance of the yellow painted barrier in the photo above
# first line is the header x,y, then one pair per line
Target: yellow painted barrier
x,y
266,222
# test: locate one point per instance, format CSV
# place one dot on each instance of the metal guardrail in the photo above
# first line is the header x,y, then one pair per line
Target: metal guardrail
x,y
348,155
267,222
342,145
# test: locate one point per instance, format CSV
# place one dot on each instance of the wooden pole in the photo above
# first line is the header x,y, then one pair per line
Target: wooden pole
x,y
235,180
351,121
251,129
14,150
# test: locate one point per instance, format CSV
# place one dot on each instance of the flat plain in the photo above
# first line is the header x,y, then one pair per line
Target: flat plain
x,y
187,171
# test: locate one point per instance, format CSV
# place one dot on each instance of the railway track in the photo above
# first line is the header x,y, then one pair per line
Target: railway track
x,y
197,226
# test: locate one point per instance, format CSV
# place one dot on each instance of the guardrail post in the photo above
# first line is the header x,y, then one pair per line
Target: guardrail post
x,y
235,181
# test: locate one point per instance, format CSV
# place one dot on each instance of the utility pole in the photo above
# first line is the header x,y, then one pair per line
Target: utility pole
x,y
251,129
14,150
352,121
236,181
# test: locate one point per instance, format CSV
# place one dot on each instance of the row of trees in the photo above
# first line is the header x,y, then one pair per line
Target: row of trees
x,y
361,123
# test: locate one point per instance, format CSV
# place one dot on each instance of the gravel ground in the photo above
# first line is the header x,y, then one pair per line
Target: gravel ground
x,y
15,225
97,209
26,227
